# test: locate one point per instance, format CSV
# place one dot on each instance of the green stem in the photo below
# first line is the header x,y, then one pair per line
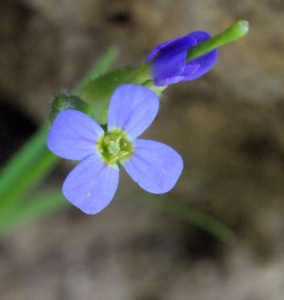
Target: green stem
x,y
234,32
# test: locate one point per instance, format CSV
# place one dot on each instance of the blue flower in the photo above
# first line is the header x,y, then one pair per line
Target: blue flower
x,y
91,185
168,60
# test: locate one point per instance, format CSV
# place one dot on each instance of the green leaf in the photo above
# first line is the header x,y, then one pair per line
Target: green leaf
x,y
185,212
36,207
99,68
33,155
201,220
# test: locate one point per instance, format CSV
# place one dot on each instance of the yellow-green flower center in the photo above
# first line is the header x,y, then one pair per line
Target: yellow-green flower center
x,y
115,147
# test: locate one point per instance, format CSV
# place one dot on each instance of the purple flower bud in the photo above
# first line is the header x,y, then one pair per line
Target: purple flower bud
x,y
168,60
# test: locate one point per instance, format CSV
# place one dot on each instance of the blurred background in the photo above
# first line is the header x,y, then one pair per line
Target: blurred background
x,y
228,126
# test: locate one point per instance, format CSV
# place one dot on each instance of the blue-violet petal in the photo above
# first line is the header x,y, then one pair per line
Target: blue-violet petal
x,y
171,60
91,185
156,167
73,135
159,47
132,109
189,69
205,62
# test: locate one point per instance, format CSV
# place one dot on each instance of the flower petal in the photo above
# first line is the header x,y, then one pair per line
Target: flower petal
x,y
205,62
200,36
170,60
159,47
189,69
73,135
132,109
156,167
91,185
169,65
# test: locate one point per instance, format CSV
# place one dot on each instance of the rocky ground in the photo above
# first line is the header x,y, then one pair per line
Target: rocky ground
x,y
228,126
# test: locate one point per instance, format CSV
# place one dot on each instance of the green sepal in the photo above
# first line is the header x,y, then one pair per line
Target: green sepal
x,y
64,101
98,92
158,90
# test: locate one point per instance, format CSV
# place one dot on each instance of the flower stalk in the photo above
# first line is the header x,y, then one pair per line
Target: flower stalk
x,y
234,32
